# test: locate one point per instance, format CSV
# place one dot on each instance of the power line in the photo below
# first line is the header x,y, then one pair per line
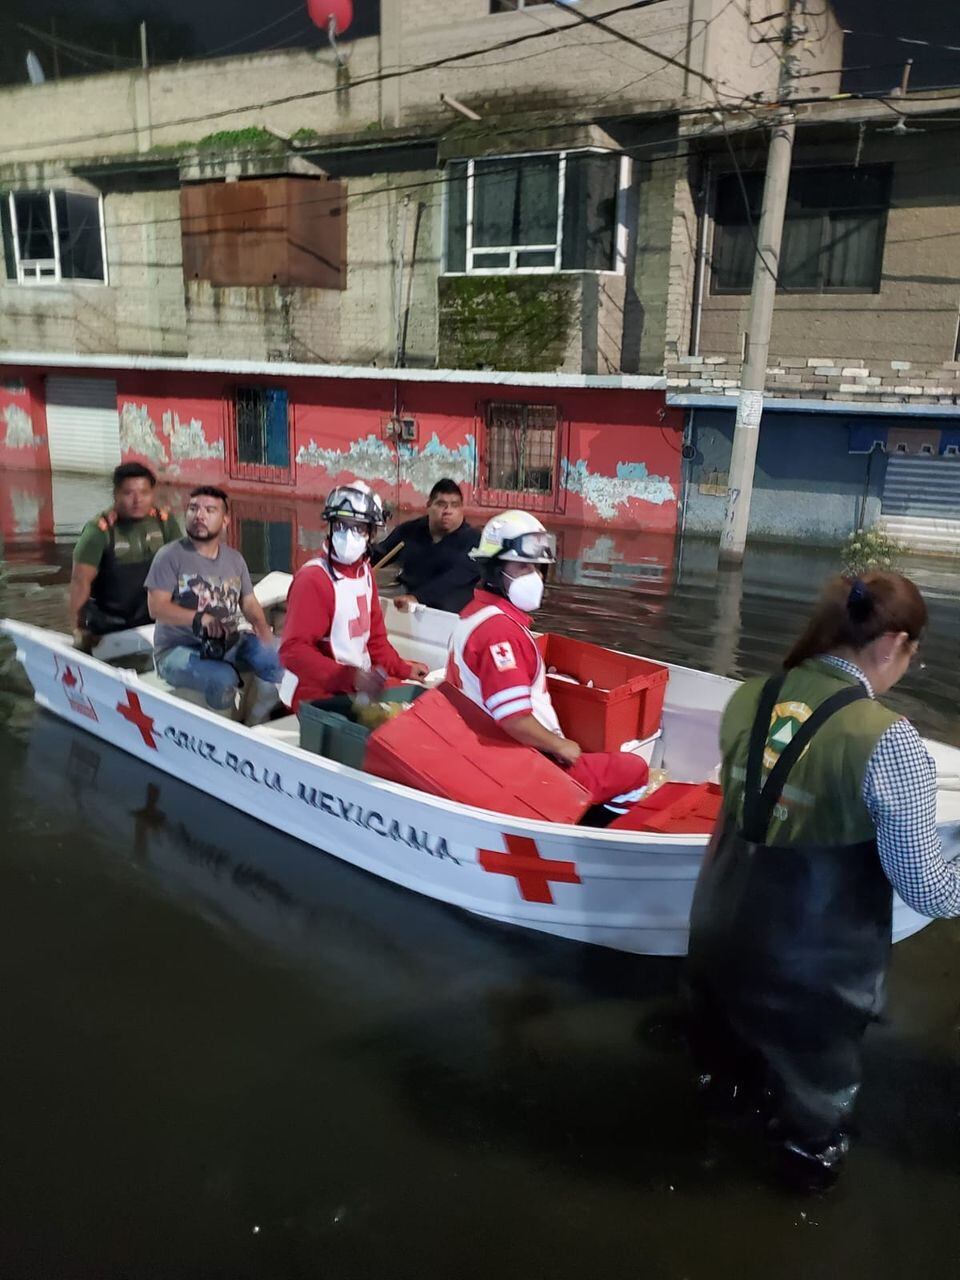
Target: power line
x,y
77,51
477,52
670,154
600,47
441,180
601,25
685,47
251,35
311,94
925,44
667,145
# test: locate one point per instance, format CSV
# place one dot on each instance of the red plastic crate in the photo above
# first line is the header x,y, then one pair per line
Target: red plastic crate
x,y
676,808
625,703
447,746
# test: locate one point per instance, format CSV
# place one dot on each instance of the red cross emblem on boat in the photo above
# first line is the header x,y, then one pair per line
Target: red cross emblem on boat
x,y
133,712
533,873
71,681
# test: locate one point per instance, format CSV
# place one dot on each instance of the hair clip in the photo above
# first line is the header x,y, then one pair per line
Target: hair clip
x,y
859,601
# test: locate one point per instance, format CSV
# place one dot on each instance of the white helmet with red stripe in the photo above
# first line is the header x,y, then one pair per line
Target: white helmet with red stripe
x,y
516,535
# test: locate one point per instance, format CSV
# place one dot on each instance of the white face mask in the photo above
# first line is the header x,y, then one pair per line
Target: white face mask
x,y
348,545
526,592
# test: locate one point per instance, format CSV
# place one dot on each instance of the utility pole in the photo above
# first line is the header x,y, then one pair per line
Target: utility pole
x,y
144,61
766,268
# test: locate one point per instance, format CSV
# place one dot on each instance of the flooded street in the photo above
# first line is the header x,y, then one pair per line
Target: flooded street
x,y
225,1056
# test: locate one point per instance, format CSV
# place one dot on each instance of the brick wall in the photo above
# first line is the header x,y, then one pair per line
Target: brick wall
x,y
357,325
667,260
141,308
123,112
913,315
829,378
147,307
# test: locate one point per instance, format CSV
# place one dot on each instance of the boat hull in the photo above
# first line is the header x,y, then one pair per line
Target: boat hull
x,y
628,891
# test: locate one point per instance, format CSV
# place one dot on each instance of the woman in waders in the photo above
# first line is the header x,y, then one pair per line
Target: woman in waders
x,y
829,800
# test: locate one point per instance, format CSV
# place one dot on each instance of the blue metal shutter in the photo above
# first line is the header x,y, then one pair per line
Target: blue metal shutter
x,y
922,486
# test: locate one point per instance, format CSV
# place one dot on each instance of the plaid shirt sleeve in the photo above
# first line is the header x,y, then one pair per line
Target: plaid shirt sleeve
x,y
900,791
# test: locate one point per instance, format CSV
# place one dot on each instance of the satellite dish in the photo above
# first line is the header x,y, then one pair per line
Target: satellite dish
x,y
333,16
34,69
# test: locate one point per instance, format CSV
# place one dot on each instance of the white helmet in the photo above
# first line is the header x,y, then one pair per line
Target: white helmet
x,y
516,535
355,501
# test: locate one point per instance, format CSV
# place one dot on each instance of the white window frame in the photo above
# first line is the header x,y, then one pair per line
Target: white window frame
x,y
46,271
620,230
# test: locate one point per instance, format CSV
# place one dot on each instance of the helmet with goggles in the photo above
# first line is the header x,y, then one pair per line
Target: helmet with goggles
x,y
355,501
516,535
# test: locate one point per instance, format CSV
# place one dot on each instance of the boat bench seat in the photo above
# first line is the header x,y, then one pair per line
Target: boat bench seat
x,y
153,681
285,730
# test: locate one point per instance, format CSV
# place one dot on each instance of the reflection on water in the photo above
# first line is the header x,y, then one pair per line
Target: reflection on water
x,y
639,592
228,1056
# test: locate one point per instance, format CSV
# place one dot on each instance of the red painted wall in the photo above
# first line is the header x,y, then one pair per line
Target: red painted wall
x,y
176,423
26,515
620,450
23,422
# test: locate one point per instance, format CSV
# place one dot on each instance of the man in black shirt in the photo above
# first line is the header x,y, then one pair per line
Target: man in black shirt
x,y
435,568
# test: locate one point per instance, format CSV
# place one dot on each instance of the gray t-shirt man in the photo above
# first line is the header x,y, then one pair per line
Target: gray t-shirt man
x,y
200,583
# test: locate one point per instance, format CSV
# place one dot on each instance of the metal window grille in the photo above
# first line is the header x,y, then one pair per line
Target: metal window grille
x,y
519,456
261,436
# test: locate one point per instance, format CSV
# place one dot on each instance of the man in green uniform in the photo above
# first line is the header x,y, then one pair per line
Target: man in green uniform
x,y
111,559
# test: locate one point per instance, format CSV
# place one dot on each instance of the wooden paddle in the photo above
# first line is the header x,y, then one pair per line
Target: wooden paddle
x,y
391,555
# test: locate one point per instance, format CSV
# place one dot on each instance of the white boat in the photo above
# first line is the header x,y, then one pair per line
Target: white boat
x,y
627,890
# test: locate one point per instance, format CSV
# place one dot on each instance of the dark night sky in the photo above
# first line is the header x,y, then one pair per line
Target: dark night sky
x,y
198,27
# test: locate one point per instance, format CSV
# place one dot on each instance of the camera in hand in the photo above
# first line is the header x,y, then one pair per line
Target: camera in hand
x,y
213,648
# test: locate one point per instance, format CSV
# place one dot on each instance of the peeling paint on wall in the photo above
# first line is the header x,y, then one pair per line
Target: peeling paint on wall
x,y
608,494
188,442
138,433
26,509
369,458
373,459
422,468
19,429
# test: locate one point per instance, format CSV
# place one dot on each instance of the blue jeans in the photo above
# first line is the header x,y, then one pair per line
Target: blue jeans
x,y
218,681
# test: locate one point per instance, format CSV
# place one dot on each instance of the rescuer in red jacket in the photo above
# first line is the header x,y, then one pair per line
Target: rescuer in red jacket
x,y
494,659
334,638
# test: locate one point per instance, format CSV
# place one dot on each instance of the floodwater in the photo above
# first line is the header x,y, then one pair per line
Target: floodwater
x,y
224,1056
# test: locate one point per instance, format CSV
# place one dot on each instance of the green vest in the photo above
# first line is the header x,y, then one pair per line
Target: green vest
x,y
822,802
134,541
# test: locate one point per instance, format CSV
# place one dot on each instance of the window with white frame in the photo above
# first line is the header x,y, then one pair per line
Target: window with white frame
x,y
549,211
49,236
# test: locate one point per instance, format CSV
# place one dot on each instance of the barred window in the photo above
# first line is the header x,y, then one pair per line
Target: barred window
x,y
261,444
519,453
